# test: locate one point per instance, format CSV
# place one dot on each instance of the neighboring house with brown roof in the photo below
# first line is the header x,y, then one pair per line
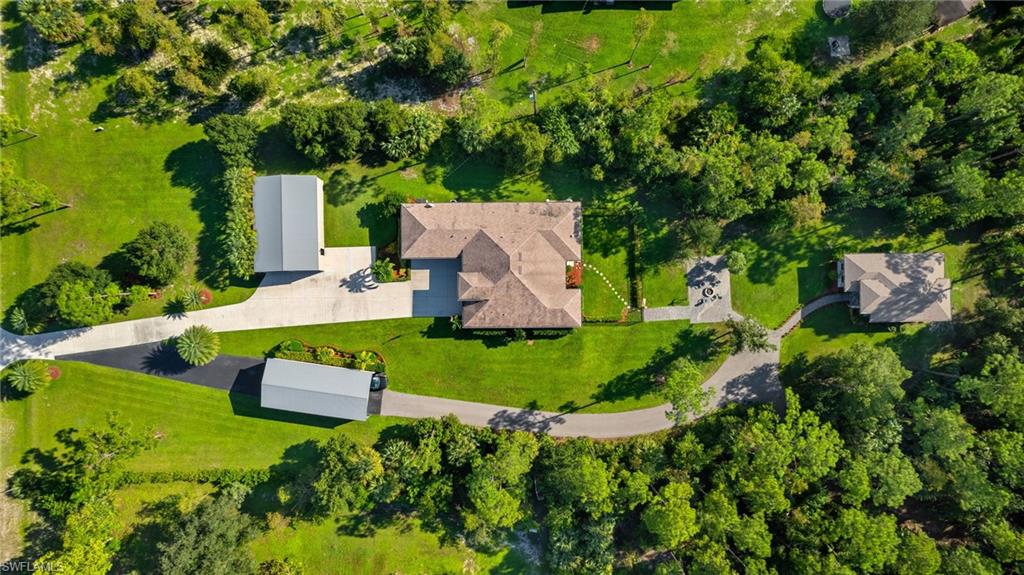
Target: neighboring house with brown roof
x,y
897,288
512,258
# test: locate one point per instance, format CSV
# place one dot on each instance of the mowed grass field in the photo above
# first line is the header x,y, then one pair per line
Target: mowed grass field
x,y
117,180
596,368
200,427
836,327
571,38
203,428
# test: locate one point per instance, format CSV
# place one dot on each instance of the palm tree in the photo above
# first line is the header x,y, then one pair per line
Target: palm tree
x,y
20,321
28,376
198,345
192,299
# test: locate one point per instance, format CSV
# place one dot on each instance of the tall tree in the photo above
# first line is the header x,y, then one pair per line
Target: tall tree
x,y
669,517
211,539
159,253
642,25
683,388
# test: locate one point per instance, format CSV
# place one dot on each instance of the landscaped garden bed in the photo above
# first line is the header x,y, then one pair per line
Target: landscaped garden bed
x,y
296,350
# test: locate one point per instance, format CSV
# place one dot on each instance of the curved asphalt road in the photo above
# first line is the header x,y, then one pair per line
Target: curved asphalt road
x,y
743,378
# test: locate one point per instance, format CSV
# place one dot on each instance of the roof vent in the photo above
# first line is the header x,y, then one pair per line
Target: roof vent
x,y
428,205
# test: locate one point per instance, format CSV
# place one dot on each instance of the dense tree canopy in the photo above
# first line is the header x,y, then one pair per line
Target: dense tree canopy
x,y
159,253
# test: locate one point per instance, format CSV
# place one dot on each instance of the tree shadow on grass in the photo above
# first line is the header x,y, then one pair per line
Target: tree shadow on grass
x,y
697,344
341,188
441,328
275,153
809,43
196,166
86,70
382,227
292,475
27,49
139,549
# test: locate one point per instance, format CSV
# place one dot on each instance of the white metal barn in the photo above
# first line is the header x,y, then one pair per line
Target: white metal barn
x,y
289,213
315,389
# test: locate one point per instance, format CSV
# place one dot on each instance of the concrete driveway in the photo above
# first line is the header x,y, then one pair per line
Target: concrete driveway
x,y
343,292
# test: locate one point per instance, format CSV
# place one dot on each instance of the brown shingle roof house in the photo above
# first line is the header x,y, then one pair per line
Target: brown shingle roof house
x,y
513,258
897,288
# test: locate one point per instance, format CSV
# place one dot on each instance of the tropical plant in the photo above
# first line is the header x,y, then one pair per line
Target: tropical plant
x,y
28,376
364,360
383,271
238,233
198,345
20,321
456,322
192,298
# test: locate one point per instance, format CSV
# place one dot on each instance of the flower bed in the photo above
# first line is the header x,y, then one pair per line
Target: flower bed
x,y
574,275
296,350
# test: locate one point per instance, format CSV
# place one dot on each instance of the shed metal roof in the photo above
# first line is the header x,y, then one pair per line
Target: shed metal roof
x,y
289,223
315,389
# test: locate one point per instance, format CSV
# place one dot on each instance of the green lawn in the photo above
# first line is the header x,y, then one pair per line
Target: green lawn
x,y
201,427
605,284
117,181
836,327
206,428
665,284
686,38
404,548
598,368
320,548
793,267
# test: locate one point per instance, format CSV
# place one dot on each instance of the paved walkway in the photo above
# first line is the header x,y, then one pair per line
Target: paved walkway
x,y
712,274
343,292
